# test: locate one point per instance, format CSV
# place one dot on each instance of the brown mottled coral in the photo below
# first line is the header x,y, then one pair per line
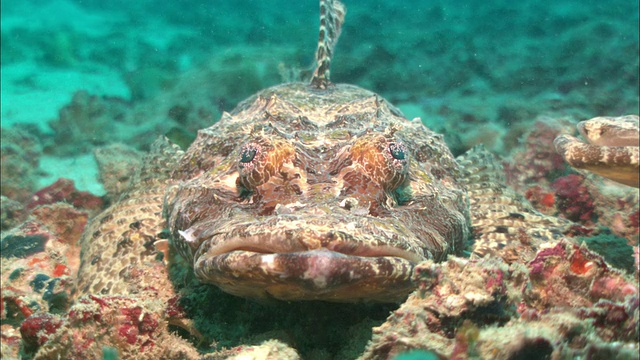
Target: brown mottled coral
x,y
87,121
12,213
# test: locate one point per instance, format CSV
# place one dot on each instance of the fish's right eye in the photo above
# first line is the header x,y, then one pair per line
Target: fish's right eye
x,y
398,151
261,159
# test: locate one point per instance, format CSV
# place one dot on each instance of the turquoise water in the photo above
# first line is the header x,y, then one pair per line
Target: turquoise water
x,y
460,66
445,60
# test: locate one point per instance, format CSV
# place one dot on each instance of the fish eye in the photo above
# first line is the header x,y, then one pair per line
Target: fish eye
x,y
397,150
248,154
385,160
261,159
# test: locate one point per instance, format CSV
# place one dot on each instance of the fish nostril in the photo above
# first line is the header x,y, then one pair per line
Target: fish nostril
x,y
347,204
355,207
248,155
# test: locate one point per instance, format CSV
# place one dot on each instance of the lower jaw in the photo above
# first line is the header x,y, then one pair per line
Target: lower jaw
x,y
308,275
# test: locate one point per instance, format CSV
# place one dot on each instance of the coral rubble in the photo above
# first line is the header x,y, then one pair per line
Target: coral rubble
x,y
566,302
39,260
21,152
12,213
64,190
87,121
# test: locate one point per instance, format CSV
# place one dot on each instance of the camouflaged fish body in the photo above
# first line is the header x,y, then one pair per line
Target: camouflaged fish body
x,y
120,247
311,192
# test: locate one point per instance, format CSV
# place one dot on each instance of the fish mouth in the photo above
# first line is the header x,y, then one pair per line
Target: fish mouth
x,y
308,264
256,244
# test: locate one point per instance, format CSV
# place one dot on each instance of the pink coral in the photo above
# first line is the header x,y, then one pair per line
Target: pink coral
x,y
567,274
37,328
543,200
634,219
64,190
133,326
574,200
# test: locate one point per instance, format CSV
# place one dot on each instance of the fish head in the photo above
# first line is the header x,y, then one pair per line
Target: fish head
x,y
328,194
610,131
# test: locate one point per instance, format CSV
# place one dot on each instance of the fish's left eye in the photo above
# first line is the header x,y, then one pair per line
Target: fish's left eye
x,y
398,150
385,160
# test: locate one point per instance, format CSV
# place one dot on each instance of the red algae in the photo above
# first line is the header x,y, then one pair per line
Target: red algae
x,y
36,329
63,190
573,199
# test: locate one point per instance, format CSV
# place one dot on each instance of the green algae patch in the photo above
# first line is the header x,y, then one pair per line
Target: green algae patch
x,y
615,250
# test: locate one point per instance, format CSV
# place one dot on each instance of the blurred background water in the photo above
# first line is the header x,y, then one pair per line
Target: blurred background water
x,y
475,71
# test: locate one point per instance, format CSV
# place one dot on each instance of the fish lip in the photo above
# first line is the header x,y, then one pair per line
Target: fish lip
x,y
318,274
315,258
286,246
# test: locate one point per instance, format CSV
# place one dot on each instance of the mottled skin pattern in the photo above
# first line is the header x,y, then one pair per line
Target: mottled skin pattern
x,y
308,192
120,246
611,151
504,223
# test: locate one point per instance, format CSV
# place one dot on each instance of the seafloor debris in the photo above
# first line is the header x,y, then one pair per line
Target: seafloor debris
x,y
536,162
12,213
134,328
87,121
39,260
268,350
543,177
